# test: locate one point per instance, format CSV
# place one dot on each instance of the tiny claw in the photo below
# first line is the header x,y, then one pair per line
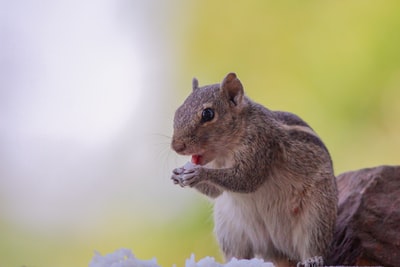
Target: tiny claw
x,y
178,171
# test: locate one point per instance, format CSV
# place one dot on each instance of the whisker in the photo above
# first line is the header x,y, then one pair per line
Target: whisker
x,y
162,135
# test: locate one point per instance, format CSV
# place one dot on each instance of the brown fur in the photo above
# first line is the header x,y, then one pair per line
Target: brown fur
x,y
270,174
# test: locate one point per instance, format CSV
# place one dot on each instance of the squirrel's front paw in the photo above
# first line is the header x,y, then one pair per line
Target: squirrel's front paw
x,y
188,175
176,176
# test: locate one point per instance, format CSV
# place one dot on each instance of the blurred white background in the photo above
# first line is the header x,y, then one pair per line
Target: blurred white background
x,y
84,90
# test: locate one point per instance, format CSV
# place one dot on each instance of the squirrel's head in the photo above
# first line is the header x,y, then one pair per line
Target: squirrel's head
x,y
208,123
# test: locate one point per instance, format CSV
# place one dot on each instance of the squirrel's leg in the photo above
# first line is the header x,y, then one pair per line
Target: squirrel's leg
x,y
233,242
282,263
240,249
230,232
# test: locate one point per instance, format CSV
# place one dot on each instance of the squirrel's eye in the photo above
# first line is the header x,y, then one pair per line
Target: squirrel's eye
x,y
207,115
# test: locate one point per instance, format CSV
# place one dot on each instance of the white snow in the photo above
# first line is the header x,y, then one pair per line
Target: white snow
x,y
125,258
210,262
120,258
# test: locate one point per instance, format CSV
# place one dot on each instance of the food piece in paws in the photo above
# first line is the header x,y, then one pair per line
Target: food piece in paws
x,y
188,165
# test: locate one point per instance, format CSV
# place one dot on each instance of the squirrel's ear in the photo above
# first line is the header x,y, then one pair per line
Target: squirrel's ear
x,y
232,88
195,84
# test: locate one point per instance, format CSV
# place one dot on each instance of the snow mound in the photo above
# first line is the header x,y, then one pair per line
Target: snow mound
x,y
210,262
124,258
120,258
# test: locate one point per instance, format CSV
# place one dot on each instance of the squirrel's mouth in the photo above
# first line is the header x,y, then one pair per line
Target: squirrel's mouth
x,y
196,159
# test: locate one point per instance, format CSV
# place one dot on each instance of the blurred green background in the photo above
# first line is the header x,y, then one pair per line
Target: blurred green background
x,y
63,195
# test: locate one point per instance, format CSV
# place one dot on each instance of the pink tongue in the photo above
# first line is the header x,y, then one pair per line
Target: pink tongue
x,y
196,159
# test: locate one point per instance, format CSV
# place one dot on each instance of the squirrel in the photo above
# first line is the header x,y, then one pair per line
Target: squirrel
x,y
269,173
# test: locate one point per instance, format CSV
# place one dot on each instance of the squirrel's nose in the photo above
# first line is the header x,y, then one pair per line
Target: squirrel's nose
x,y
178,145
